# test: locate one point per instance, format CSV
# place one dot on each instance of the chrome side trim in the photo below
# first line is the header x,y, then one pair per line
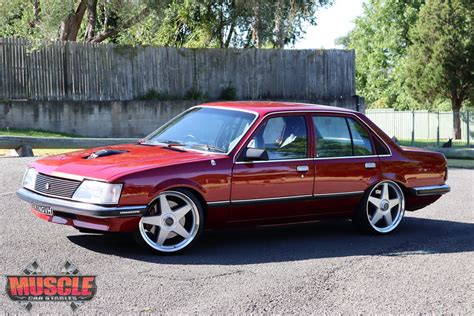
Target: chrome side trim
x,y
297,197
346,157
218,203
282,198
80,208
431,190
267,161
338,194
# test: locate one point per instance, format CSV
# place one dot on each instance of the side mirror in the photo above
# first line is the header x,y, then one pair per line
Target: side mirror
x,y
255,154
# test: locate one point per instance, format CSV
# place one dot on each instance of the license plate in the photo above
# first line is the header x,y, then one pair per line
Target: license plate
x,y
43,209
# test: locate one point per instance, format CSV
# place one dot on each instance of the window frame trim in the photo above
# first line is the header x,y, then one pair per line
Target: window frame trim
x,y
265,119
203,106
345,115
371,136
309,114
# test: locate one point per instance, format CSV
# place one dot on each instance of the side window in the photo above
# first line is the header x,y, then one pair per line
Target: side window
x,y
283,137
341,137
360,138
380,148
332,136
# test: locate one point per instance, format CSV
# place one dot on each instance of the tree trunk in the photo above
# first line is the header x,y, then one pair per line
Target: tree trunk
x,y
279,27
229,35
457,125
36,13
113,32
256,26
91,19
456,104
71,24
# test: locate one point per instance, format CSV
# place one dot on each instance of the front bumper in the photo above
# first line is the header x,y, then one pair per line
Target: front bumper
x,y
431,190
80,208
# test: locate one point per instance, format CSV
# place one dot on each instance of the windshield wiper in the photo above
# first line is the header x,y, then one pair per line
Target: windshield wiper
x,y
169,143
209,147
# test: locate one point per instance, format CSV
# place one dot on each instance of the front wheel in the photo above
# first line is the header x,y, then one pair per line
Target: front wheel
x,y
174,221
382,208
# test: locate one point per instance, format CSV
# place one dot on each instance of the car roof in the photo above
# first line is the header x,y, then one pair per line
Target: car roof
x,y
267,107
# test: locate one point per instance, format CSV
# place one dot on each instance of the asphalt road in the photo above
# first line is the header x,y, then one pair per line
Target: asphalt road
x,y
427,266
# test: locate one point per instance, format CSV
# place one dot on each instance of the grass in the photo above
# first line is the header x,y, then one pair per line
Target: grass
x,y
43,152
432,142
33,133
36,133
461,163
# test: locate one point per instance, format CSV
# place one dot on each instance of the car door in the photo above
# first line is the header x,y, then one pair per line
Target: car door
x,y
345,164
281,186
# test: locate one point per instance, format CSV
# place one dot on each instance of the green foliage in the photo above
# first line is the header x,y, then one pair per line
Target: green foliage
x,y
39,20
228,23
195,94
410,54
33,133
228,93
189,23
440,63
15,18
152,94
380,39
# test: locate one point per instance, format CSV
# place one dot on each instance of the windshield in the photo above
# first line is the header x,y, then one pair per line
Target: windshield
x,y
207,129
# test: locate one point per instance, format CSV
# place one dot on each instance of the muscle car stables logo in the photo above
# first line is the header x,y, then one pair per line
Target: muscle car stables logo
x,y
34,286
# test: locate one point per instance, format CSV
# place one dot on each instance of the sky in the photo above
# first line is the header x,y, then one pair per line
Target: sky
x,y
333,22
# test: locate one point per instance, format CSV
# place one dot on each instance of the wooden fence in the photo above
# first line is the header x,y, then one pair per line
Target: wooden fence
x,y
82,71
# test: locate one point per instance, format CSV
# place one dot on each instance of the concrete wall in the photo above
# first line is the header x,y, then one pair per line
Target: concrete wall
x,y
104,118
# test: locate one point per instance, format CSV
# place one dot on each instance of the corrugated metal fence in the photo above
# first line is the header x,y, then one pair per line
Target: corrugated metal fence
x,y
83,71
423,128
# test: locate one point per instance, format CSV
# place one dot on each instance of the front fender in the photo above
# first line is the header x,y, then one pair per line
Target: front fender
x,y
175,183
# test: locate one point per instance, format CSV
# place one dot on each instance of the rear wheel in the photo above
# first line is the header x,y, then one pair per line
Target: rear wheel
x,y
173,223
382,208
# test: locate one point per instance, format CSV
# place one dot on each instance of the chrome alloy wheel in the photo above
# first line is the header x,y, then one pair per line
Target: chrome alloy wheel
x,y
172,222
385,206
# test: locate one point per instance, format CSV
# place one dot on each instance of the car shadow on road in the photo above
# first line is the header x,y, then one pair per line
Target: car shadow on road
x,y
325,239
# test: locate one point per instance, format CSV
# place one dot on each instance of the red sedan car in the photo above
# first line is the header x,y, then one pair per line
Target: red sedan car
x,y
238,163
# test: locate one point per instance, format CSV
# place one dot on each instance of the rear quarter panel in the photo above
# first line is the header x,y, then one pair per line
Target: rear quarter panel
x,y
415,169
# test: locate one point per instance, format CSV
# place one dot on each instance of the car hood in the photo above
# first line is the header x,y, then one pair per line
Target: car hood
x,y
117,161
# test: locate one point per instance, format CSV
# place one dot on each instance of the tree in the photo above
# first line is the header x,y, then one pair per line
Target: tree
x,y
73,20
380,39
440,62
227,23
189,23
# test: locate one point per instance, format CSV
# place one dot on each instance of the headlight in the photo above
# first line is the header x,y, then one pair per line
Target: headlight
x,y
29,179
98,192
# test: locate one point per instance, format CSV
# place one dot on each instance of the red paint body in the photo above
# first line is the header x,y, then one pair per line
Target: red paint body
x,y
145,171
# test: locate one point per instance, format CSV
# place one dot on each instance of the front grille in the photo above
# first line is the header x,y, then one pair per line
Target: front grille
x,y
56,186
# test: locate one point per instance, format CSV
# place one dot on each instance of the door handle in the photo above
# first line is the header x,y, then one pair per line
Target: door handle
x,y
302,168
370,165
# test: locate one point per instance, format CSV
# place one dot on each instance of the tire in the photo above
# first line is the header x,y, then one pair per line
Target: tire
x,y
382,209
174,228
